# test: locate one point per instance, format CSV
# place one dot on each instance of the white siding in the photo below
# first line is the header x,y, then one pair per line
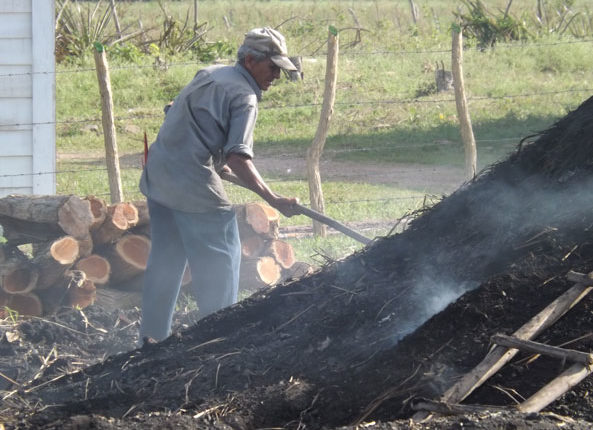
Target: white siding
x,y
27,97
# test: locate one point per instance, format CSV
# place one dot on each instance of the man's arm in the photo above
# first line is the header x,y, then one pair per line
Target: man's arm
x,y
240,170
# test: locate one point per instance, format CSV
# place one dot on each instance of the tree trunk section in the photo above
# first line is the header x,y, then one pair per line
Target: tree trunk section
x,y
96,268
29,219
282,252
53,260
27,304
252,247
98,210
128,257
18,276
120,218
259,273
142,209
316,149
257,219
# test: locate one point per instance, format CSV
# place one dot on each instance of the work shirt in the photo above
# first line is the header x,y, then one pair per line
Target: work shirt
x,y
212,117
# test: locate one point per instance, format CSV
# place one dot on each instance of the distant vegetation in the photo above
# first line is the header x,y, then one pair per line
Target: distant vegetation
x,y
525,66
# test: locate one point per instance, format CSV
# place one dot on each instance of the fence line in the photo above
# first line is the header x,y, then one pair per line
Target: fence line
x,y
283,155
343,53
359,103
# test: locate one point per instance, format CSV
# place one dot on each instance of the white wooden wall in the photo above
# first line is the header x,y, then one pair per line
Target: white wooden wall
x,y
27,97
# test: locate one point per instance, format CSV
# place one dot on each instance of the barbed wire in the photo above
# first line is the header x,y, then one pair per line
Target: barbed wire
x,y
343,53
291,155
308,105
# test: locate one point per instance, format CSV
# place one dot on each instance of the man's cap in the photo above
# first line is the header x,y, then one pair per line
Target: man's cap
x,y
271,43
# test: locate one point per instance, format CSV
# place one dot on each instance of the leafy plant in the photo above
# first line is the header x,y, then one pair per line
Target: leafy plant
x,y
78,27
557,17
488,28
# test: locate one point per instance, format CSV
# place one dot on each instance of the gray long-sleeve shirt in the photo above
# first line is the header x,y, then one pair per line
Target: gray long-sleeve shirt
x,y
213,116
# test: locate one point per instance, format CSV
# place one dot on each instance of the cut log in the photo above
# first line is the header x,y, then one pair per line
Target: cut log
x,y
17,275
28,219
57,296
143,215
53,261
281,251
120,217
252,247
259,273
85,246
82,295
96,268
128,257
257,219
98,210
27,304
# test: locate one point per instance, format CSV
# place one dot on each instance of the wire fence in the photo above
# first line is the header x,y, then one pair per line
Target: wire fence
x,y
371,102
342,54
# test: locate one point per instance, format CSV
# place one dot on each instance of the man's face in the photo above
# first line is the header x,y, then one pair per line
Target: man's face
x,y
264,72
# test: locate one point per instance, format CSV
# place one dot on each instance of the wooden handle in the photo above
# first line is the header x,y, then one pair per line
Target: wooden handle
x,y
332,223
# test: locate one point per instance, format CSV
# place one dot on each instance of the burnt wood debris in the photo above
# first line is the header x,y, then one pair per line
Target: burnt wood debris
x,y
370,341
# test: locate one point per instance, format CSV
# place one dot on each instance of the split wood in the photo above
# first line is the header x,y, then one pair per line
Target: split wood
x,y
500,355
540,348
554,389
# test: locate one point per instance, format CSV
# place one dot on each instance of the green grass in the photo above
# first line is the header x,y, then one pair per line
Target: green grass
x,y
385,111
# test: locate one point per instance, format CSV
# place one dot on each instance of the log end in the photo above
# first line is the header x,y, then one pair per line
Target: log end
x,y
65,250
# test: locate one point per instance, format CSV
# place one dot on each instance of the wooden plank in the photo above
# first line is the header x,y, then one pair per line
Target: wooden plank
x,y
16,51
15,85
15,143
15,25
7,6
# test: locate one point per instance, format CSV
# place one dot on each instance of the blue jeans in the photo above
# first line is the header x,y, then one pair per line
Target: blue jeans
x,y
210,243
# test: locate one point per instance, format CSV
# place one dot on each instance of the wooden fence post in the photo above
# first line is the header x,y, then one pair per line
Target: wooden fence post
x,y
467,133
314,152
111,156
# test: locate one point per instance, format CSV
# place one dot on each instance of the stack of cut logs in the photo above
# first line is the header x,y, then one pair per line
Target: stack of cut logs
x,y
60,248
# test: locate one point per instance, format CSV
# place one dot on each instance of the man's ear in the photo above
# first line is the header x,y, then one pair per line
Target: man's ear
x,y
249,61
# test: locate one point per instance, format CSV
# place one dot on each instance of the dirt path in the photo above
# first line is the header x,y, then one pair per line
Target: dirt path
x,y
424,178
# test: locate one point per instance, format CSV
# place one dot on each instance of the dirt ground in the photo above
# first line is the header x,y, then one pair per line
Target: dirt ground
x,y
362,342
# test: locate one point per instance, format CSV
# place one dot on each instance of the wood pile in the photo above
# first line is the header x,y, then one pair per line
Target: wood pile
x,y
60,248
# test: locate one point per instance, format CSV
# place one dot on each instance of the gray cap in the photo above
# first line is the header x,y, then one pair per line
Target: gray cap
x,y
271,43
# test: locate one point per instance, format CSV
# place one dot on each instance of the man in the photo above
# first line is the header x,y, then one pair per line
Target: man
x,y
207,136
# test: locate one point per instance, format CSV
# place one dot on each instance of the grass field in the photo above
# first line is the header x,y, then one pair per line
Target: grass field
x,y
386,112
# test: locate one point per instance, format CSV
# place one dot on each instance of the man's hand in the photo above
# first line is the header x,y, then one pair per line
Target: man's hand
x,y
286,205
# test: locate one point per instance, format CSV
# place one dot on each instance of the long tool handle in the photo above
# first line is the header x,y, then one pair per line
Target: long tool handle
x,y
332,223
